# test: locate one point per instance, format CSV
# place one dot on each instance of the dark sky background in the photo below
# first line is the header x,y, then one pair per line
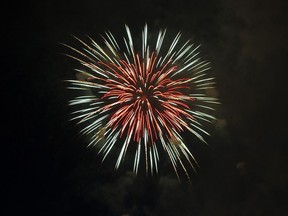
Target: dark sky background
x,y
48,171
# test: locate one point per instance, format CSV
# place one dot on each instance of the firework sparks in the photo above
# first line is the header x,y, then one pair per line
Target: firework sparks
x,y
146,97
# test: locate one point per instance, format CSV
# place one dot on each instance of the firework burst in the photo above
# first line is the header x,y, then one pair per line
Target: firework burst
x,y
146,98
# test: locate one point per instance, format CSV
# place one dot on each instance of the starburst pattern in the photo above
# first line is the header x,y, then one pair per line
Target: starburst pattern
x,y
145,97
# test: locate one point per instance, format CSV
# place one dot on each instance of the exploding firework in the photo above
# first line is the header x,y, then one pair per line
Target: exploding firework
x,y
142,98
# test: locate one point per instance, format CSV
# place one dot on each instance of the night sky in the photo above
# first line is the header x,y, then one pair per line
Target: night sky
x,y
47,170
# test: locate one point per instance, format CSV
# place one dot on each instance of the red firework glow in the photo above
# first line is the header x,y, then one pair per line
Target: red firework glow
x,y
148,99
